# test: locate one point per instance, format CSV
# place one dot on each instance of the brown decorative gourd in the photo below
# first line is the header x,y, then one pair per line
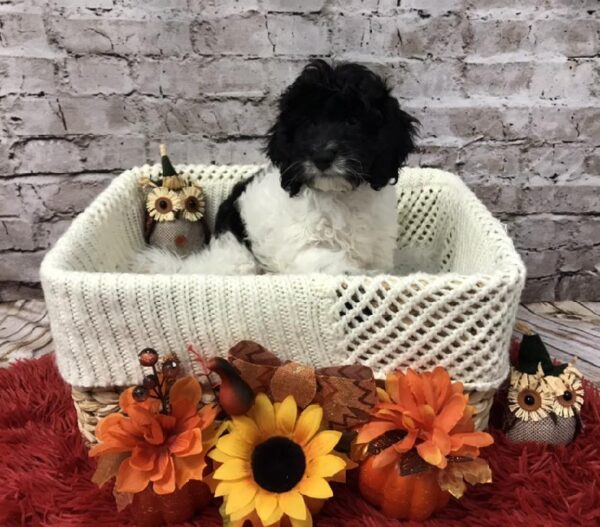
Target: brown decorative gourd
x,y
413,497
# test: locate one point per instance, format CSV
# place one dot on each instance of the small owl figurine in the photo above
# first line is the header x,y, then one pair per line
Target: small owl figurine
x,y
175,212
544,399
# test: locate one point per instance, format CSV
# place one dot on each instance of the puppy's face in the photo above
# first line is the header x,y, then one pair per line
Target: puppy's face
x,y
339,128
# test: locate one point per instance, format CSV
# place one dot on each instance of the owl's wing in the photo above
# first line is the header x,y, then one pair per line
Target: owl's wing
x,y
149,225
204,224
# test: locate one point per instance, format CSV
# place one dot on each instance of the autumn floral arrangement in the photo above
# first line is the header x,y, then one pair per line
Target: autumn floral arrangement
x,y
420,446
267,439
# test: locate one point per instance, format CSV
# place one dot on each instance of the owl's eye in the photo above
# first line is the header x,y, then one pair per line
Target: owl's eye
x,y
569,402
162,204
567,396
193,203
527,399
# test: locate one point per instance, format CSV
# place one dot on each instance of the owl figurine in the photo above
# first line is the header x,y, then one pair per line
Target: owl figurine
x,y
544,399
174,211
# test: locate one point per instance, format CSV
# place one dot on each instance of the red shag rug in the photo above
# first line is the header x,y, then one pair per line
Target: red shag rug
x,y
45,471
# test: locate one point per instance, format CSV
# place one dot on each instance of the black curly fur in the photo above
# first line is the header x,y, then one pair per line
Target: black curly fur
x,y
347,106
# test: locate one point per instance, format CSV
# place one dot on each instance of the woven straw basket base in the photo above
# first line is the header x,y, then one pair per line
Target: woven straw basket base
x,y
93,405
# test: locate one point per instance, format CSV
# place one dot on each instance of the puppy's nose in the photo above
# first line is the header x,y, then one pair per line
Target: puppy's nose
x,y
323,158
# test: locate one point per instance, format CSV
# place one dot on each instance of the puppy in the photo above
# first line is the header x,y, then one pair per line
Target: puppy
x,y
326,204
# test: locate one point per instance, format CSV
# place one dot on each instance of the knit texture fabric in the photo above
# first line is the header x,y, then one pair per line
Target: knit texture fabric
x,y
458,315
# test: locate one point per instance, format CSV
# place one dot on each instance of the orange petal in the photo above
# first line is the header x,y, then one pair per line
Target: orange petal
x,y
386,457
162,460
166,484
392,385
208,414
427,415
415,382
429,391
129,479
405,398
466,451
441,382
457,387
167,422
442,440
126,402
188,443
407,442
185,389
109,423
478,439
110,446
466,423
452,412
373,430
143,459
184,411
431,453
187,468
153,432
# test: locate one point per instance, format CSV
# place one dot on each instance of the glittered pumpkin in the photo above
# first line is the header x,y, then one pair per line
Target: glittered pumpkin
x,y
412,497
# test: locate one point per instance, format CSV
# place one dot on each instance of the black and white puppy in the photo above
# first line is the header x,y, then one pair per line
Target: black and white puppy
x,y
326,204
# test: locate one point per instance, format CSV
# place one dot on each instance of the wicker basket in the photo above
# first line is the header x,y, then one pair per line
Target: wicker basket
x,y
458,314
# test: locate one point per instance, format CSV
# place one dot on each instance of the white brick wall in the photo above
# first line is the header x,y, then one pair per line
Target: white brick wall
x,y
508,93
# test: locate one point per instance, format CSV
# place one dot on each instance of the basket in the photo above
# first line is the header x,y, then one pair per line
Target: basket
x,y
459,314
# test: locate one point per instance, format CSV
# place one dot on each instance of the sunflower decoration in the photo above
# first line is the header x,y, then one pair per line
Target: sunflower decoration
x,y
276,465
528,396
162,204
192,199
544,398
175,211
568,392
420,443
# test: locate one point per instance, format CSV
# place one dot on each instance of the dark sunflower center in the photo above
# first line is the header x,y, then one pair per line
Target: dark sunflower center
x,y
163,205
192,204
278,464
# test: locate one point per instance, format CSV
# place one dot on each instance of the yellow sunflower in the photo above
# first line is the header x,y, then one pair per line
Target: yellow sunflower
x,y
192,199
162,204
275,463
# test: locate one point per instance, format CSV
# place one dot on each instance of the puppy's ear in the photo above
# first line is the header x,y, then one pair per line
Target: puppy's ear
x,y
293,105
395,140
277,148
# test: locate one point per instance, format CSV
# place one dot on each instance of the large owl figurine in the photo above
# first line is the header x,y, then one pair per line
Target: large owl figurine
x,y
544,399
174,212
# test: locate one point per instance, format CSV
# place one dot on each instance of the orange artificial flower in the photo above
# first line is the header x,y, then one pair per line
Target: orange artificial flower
x,y
165,450
433,413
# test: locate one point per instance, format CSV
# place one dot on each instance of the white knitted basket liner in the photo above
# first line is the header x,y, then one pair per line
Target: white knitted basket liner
x,y
458,315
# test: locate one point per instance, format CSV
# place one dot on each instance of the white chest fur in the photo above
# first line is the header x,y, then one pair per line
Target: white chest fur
x,y
319,231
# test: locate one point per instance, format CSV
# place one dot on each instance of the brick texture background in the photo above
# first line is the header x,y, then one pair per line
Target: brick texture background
x,y
508,92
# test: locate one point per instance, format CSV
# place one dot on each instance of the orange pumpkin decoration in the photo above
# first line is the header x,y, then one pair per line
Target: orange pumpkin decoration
x,y
414,497
421,445
150,509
